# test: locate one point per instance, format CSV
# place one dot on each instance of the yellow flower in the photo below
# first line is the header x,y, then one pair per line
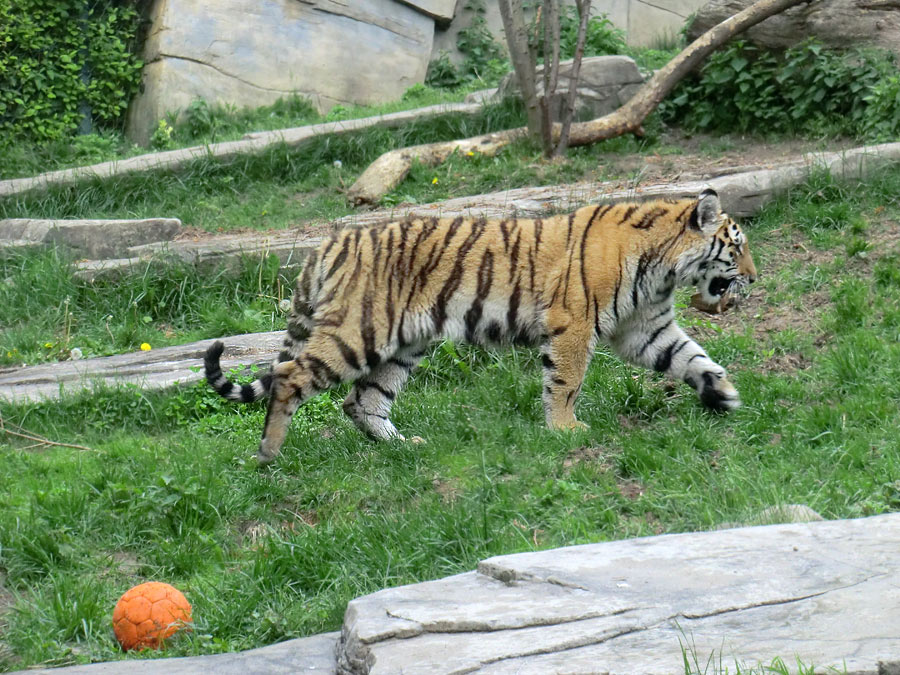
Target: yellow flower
x,y
48,345
145,347
470,154
434,181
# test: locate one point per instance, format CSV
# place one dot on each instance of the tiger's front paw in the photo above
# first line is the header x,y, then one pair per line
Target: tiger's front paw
x,y
717,393
569,425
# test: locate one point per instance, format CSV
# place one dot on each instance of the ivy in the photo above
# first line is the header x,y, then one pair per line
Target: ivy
x,y
56,57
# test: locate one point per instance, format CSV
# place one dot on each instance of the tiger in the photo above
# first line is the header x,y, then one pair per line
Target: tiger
x,y
369,301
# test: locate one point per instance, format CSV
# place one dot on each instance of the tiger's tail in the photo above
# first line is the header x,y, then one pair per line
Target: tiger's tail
x,y
299,325
245,393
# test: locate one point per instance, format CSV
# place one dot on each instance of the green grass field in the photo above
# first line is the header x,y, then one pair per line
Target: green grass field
x,y
167,490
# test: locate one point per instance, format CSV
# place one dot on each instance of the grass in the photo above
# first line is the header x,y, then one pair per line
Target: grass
x,y
167,492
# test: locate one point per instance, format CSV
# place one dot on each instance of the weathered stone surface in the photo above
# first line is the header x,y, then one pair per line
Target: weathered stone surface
x,y
252,142
90,238
605,83
837,23
154,369
231,52
824,593
310,656
440,10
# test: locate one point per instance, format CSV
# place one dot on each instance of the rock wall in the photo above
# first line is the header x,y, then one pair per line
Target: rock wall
x,y
253,53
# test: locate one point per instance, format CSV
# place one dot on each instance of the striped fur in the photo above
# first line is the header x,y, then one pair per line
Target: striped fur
x,y
370,300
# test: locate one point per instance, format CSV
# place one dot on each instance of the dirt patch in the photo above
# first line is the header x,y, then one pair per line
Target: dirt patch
x,y
630,489
7,600
448,489
599,456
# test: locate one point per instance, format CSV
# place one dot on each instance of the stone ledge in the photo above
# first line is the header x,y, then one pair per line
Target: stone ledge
x,y
822,592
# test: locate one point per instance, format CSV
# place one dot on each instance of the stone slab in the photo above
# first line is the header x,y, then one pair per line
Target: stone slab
x,y
308,656
90,238
154,369
823,592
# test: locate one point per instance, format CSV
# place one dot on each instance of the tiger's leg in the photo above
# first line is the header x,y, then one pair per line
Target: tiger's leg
x,y
666,348
565,359
369,402
320,366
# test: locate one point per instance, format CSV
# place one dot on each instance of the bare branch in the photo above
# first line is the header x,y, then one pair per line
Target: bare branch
x,y
584,12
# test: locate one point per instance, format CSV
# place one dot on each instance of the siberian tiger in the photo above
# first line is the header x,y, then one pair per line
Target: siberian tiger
x,y
370,300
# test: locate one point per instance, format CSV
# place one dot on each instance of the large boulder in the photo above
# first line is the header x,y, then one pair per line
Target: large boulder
x,y
836,23
605,83
251,54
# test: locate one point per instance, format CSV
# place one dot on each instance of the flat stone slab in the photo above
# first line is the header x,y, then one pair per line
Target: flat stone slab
x,y
89,238
309,656
825,593
154,369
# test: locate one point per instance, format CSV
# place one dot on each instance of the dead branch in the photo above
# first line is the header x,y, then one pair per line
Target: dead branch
x,y
39,440
391,168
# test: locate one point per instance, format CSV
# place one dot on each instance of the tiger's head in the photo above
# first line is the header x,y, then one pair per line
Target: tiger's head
x,y
723,268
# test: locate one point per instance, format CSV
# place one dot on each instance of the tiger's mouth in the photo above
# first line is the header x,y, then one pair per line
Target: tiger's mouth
x,y
719,285
720,295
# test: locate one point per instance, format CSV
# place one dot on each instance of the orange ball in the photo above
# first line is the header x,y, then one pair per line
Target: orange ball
x,y
148,614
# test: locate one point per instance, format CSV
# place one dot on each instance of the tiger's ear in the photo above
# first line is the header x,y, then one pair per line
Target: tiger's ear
x,y
706,215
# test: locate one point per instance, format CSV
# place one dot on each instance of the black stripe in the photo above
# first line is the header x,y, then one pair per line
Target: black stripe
x,y
388,394
439,310
339,260
654,336
346,350
547,362
483,287
512,312
367,330
649,219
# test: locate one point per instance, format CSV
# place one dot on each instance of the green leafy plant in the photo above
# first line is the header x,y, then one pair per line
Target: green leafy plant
x,y
805,89
56,58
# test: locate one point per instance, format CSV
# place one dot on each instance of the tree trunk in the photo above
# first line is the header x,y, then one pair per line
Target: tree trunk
x,y
523,60
370,187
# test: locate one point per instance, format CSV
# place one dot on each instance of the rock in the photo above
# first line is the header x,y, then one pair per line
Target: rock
x,y
310,656
229,52
822,592
482,96
439,10
89,238
836,23
605,84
